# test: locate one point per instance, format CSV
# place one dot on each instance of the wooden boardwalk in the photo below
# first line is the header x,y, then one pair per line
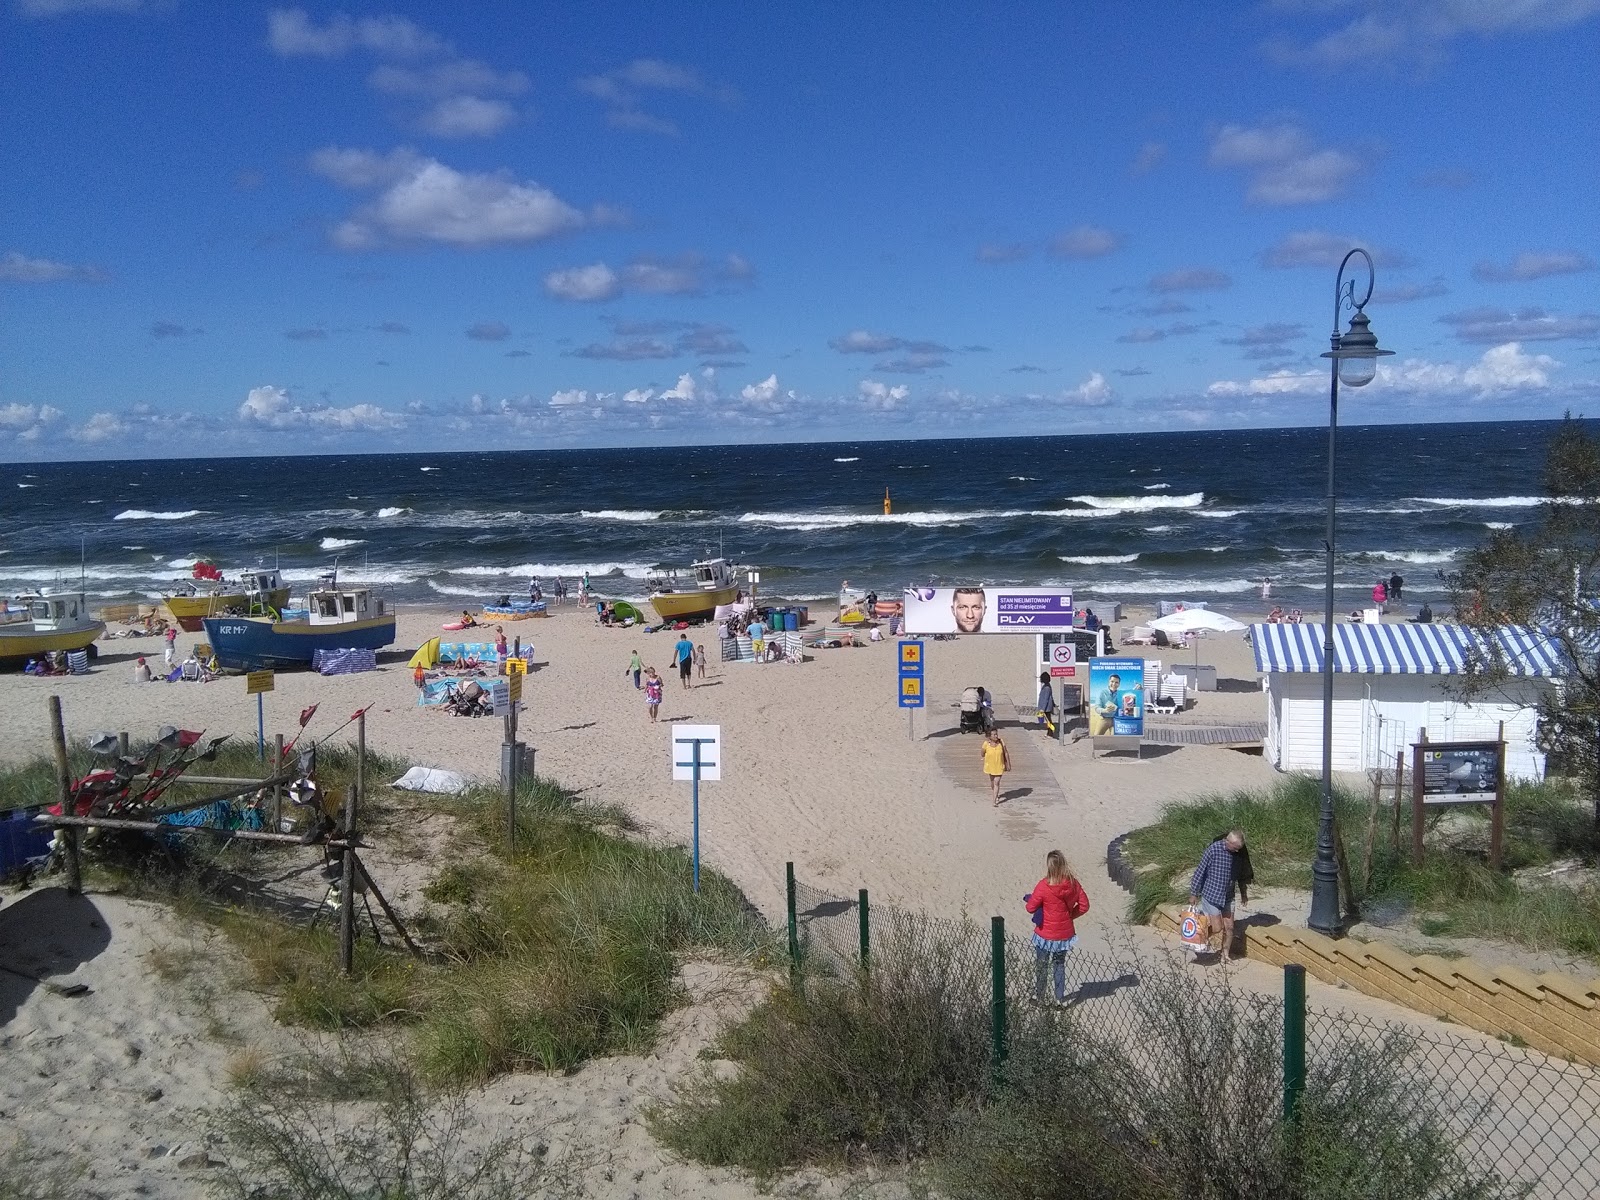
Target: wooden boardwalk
x,y
1030,777
1173,733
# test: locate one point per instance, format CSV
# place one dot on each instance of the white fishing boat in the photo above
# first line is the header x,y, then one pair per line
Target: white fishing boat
x,y
35,625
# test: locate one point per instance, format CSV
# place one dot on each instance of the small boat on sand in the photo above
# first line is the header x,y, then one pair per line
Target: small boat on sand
x,y
258,593
33,626
335,619
715,581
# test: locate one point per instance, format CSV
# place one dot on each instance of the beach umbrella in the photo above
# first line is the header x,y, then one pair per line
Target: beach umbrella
x,y
1196,620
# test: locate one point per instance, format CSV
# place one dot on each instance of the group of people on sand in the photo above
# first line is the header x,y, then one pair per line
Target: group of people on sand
x,y
686,656
1058,900
1278,617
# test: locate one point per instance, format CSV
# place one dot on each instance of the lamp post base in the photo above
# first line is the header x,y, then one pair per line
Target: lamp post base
x,y
1324,918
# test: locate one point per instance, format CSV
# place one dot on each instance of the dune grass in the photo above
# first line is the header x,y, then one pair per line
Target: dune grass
x,y
565,950
1453,892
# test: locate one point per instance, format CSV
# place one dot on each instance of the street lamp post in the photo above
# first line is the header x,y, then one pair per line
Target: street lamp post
x,y
1355,357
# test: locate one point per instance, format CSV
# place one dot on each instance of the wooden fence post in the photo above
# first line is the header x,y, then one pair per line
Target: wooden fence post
x,y
72,837
347,886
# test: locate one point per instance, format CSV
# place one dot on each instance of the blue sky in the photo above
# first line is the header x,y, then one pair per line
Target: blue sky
x,y
230,228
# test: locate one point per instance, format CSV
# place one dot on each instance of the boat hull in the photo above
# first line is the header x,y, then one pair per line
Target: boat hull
x,y
691,606
262,644
189,611
18,647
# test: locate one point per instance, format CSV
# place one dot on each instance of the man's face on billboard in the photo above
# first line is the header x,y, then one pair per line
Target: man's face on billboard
x,y
968,604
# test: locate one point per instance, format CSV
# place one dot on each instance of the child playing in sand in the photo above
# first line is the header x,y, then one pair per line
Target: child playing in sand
x,y
700,661
653,687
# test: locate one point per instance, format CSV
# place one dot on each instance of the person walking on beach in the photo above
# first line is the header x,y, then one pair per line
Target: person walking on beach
x,y
1211,887
700,661
996,762
1047,703
653,689
634,668
501,650
1397,583
683,655
1057,901
172,645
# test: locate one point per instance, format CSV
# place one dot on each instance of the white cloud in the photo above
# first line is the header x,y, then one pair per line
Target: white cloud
x,y
291,32
101,427
1503,368
274,408
1528,266
568,398
1520,325
1420,31
1085,241
461,76
686,389
56,8
1283,162
881,395
763,392
1093,391
424,200
638,395
685,275
1317,248
622,90
593,282
19,268
27,422
467,116
1278,383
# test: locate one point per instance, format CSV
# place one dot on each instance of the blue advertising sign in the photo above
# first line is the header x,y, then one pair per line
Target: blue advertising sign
x,y
1116,697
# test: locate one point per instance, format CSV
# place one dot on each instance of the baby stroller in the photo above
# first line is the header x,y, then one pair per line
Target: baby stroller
x,y
976,715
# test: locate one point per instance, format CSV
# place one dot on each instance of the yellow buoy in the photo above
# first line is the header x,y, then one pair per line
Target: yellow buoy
x,y
886,502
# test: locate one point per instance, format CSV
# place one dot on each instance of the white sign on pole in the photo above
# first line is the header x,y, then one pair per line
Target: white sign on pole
x,y
500,697
684,738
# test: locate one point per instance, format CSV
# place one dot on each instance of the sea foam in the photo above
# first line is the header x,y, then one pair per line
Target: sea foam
x,y
1140,503
143,514
1098,560
333,543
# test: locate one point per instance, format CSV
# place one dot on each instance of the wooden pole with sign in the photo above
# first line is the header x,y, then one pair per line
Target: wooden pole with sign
x,y
258,684
1416,797
347,886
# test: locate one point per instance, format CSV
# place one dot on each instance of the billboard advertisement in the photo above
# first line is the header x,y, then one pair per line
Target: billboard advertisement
x,y
975,609
1116,697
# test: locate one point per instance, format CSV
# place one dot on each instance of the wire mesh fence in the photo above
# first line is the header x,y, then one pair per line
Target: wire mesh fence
x,y
1528,1121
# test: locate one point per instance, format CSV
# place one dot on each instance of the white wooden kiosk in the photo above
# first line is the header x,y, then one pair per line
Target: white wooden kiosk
x,y
1391,682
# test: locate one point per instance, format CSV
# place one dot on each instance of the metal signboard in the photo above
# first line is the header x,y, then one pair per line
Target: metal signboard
x,y
912,662
978,609
257,682
684,740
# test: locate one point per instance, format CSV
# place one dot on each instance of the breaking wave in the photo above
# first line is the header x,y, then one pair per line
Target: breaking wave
x,y
1099,560
144,514
1141,503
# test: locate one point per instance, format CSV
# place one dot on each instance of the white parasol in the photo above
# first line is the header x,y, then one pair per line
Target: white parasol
x,y
1196,620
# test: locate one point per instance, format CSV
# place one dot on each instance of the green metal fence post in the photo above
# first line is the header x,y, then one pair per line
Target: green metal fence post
x,y
866,929
997,1002
794,926
1294,1040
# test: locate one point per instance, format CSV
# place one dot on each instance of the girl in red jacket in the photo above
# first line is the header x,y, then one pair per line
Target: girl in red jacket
x,y
1056,901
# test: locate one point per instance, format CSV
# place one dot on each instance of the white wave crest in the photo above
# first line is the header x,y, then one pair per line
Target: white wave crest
x,y
1158,528
1218,514
1171,589
27,485
1419,557
815,521
1499,524
1484,502
525,571
1098,560
847,460
1141,503
391,512
1156,487
621,514
333,543
369,576
142,514
430,468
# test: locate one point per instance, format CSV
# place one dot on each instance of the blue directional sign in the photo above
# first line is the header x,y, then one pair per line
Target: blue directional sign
x,y
911,694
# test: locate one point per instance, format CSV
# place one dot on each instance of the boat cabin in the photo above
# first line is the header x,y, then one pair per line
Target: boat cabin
x,y
714,574
52,612
334,607
260,582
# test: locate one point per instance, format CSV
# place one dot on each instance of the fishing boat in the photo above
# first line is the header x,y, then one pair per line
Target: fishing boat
x,y
714,581
206,594
32,626
334,619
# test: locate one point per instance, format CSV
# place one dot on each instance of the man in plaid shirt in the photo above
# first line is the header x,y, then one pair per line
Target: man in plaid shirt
x,y
1212,886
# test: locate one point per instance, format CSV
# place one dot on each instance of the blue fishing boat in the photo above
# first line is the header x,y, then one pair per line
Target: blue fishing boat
x,y
334,619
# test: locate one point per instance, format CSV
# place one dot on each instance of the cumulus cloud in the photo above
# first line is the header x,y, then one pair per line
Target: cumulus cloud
x,y
16,267
568,398
101,427
1084,241
1501,369
466,116
761,393
625,350
710,340
1528,266
489,331
27,422
1092,392
685,389
638,395
422,200
1150,156
292,33
686,275
1191,279
1277,383
1282,162
461,76
1316,248
882,395
1520,325
270,407
622,91
1420,32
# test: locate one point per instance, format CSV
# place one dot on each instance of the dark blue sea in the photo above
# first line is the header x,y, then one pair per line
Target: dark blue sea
x,y
1127,516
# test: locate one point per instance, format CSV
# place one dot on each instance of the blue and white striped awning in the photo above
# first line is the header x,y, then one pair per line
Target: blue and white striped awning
x,y
1403,649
